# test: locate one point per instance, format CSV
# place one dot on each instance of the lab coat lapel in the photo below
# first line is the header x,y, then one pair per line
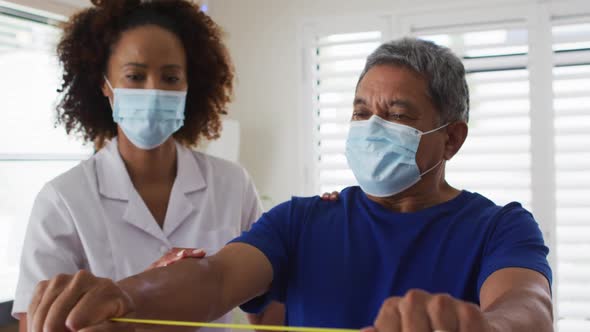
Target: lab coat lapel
x,y
114,183
189,179
138,215
113,180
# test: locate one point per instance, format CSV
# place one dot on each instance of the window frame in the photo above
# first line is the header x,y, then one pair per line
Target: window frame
x,y
38,17
34,17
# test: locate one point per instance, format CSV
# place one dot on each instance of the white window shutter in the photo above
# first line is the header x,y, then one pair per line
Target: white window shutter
x,y
496,157
338,62
571,86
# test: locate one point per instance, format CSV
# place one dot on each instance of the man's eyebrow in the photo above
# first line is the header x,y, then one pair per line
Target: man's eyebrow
x,y
359,101
405,104
401,103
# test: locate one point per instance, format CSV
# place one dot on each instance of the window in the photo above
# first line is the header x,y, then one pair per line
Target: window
x,y
571,86
496,61
338,60
528,69
32,149
496,158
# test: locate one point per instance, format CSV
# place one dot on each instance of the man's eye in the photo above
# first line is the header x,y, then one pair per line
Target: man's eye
x,y
397,116
360,114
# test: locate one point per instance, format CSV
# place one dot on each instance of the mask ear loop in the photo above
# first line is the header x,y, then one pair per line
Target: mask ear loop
x,y
435,129
440,162
431,168
112,90
108,83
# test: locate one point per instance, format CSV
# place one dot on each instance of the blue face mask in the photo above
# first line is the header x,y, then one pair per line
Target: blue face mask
x,y
382,155
148,117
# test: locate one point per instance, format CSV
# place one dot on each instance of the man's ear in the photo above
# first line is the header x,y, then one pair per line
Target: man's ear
x,y
457,133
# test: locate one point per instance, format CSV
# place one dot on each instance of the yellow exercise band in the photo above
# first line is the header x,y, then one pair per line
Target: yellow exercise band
x,y
229,326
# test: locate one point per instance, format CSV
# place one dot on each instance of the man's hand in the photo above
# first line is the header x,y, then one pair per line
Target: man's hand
x,y
80,302
419,311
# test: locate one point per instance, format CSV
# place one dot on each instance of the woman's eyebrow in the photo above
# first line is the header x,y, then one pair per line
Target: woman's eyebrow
x,y
135,64
172,66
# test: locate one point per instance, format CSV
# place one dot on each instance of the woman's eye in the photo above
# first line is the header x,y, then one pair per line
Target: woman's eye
x,y
172,79
135,77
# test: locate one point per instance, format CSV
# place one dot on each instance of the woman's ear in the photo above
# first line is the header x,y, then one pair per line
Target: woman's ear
x,y
107,91
457,133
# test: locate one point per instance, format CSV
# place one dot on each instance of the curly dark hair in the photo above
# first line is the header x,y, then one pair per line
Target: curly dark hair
x,y
84,51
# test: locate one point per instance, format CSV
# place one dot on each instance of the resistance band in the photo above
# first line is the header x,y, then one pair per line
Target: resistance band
x,y
229,326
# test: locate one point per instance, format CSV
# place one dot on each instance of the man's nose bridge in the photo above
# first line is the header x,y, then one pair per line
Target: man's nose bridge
x,y
380,108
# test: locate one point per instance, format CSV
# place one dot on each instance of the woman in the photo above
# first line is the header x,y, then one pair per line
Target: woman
x,y
144,80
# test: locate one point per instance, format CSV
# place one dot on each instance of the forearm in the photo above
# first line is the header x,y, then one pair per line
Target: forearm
x,y
189,290
273,314
22,323
200,289
527,309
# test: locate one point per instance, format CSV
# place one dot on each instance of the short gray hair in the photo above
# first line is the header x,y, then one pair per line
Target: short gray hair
x,y
443,70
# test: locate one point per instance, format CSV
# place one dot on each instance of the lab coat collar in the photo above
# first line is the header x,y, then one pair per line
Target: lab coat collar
x,y
189,175
114,181
189,179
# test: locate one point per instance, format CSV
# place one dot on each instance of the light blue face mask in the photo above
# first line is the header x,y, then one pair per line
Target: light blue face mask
x,y
148,117
382,155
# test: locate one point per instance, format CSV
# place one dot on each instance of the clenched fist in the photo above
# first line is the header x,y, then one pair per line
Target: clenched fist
x,y
419,311
79,302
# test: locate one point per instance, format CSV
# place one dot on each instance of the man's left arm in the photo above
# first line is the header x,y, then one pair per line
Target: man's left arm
x,y
514,288
512,299
517,299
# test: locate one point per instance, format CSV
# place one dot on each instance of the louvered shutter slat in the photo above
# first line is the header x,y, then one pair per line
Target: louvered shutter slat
x,y
571,86
338,62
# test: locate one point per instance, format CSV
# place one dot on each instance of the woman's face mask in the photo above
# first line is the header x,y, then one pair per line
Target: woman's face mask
x,y
148,117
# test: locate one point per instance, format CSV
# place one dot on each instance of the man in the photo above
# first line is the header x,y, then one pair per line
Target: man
x,y
404,252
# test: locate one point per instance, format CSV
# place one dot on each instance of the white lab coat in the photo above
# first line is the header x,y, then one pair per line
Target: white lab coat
x,y
92,218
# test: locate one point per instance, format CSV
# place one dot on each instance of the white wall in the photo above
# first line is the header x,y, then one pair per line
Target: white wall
x,y
261,35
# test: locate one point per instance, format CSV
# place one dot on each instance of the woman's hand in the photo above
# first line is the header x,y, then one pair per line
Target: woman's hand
x,y
333,197
177,254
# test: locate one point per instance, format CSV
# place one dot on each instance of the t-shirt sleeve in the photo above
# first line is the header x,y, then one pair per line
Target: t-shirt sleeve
x,y
516,241
271,235
51,247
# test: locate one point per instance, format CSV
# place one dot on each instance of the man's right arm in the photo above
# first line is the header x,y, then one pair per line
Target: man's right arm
x,y
192,290
201,290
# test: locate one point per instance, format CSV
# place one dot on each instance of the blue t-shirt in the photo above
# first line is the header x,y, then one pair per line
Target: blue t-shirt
x,y
335,263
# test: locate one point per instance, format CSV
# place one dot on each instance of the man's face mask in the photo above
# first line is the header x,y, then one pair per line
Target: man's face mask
x,y
382,155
